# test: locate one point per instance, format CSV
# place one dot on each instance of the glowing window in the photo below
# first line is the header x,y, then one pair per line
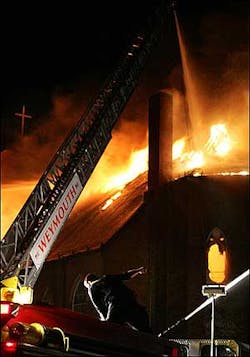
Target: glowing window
x,y
216,256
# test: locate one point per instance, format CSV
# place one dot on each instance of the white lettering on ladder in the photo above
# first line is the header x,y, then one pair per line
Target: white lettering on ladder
x,y
47,237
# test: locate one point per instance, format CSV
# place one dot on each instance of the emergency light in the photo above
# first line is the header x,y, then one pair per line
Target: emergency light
x,y
7,311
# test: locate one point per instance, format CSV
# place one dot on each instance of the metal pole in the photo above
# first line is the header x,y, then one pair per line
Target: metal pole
x,y
212,328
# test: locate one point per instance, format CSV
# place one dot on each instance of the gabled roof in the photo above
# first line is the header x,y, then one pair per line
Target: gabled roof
x,y
88,226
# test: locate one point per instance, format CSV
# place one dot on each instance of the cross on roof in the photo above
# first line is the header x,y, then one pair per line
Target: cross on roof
x,y
23,116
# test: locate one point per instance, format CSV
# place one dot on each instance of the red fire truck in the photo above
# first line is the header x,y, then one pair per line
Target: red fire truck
x,y
29,330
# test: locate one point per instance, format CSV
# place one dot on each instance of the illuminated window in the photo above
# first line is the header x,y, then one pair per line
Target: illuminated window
x,y
216,257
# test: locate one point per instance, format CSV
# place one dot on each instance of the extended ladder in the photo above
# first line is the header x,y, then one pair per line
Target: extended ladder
x,y
30,237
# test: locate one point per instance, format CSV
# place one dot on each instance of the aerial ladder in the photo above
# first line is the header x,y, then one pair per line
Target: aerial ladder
x,y
30,238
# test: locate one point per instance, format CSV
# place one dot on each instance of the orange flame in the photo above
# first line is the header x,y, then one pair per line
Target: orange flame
x,y
111,200
218,144
13,196
186,161
178,148
138,164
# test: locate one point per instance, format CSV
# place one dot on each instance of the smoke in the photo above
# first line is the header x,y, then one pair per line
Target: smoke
x,y
30,155
224,72
218,77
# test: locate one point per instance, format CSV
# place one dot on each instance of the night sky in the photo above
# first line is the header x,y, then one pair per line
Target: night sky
x,y
58,49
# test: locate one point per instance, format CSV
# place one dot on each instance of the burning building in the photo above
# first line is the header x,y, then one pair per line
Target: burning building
x,y
176,214
179,207
178,227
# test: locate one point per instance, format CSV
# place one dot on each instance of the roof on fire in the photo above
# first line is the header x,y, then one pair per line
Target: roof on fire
x,y
89,227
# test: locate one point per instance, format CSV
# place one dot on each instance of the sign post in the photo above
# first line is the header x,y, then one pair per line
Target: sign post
x,y
213,291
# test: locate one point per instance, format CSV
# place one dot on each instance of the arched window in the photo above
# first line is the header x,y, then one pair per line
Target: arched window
x,y
216,257
80,297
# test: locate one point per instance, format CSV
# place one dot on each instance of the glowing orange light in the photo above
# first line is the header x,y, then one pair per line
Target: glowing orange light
x,y
188,160
111,200
192,160
216,264
178,148
107,178
13,197
138,164
219,142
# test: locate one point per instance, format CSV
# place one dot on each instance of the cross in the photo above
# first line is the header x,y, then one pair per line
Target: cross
x,y
23,116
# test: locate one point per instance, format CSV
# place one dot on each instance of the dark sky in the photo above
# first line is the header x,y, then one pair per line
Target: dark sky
x,y
49,47
46,45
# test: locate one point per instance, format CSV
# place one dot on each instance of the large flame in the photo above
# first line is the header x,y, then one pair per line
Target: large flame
x,y
219,144
18,192
138,164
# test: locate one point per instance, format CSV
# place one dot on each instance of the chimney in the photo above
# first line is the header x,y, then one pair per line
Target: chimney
x,y
160,125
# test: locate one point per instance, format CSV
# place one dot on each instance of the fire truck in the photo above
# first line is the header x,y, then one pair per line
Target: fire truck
x,y
29,330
